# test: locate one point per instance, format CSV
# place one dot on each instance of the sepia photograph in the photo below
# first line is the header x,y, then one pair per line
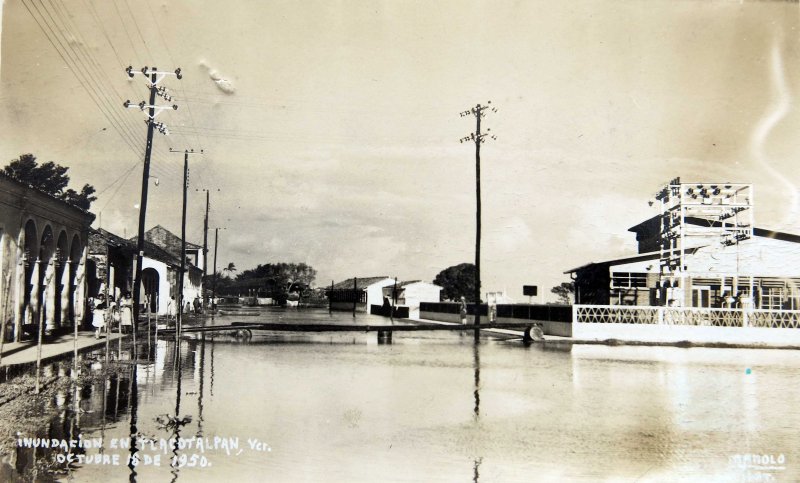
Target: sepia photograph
x,y
399,241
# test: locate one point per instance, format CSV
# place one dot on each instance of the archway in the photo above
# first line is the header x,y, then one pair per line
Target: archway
x,y
28,306
150,285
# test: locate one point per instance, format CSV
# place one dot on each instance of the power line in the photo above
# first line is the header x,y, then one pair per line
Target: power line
x,y
172,59
125,174
125,28
99,73
116,125
136,24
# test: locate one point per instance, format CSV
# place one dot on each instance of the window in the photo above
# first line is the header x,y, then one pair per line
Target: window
x,y
628,280
772,298
701,297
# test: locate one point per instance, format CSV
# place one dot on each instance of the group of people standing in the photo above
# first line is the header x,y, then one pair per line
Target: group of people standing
x,y
118,314
114,313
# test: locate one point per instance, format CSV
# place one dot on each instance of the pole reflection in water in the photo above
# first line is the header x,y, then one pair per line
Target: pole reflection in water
x,y
202,377
476,364
475,475
177,422
134,399
116,381
105,391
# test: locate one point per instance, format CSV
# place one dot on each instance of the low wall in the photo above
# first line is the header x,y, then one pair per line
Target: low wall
x,y
348,306
680,333
549,327
400,311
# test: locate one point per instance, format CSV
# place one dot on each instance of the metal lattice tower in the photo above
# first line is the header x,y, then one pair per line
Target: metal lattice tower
x,y
695,215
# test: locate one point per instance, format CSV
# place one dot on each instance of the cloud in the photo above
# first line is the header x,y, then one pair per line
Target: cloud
x,y
223,84
780,108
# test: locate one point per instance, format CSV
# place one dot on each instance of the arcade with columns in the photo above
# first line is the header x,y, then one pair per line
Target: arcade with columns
x,y
43,250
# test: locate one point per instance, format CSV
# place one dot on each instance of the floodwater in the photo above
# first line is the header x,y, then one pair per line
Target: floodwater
x,y
427,407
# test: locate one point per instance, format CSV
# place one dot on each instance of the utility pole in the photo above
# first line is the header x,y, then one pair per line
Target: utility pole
x,y
154,76
186,154
355,295
479,112
205,250
214,282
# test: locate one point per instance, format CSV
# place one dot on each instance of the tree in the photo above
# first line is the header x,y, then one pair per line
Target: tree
x,y
564,292
457,281
276,280
83,199
230,268
50,178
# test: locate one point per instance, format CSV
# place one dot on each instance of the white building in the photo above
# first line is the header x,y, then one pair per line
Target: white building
x,y
411,293
363,291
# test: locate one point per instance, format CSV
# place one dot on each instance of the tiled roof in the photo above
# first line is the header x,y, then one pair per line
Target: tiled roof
x,y
167,240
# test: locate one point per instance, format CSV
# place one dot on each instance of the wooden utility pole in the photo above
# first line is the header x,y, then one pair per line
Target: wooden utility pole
x,y
154,76
479,112
355,295
214,276
205,254
205,250
186,154
394,300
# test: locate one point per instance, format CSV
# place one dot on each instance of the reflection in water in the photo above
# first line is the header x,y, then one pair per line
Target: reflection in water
x,y
177,425
202,377
649,411
134,392
475,474
476,364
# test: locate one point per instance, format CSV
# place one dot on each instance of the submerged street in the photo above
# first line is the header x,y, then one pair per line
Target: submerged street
x,y
427,407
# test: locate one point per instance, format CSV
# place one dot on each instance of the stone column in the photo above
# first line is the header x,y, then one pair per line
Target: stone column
x,y
80,288
32,311
50,295
19,294
66,285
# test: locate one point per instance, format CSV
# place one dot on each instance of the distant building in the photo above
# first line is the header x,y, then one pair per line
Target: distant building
x,y
411,293
364,291
160,268
171,243
702,250
195,261
42,256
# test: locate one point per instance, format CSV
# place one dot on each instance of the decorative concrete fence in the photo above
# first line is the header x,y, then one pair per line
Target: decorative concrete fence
x,y
674,324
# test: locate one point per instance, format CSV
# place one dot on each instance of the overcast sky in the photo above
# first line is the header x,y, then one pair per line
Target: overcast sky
x,y
331,128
